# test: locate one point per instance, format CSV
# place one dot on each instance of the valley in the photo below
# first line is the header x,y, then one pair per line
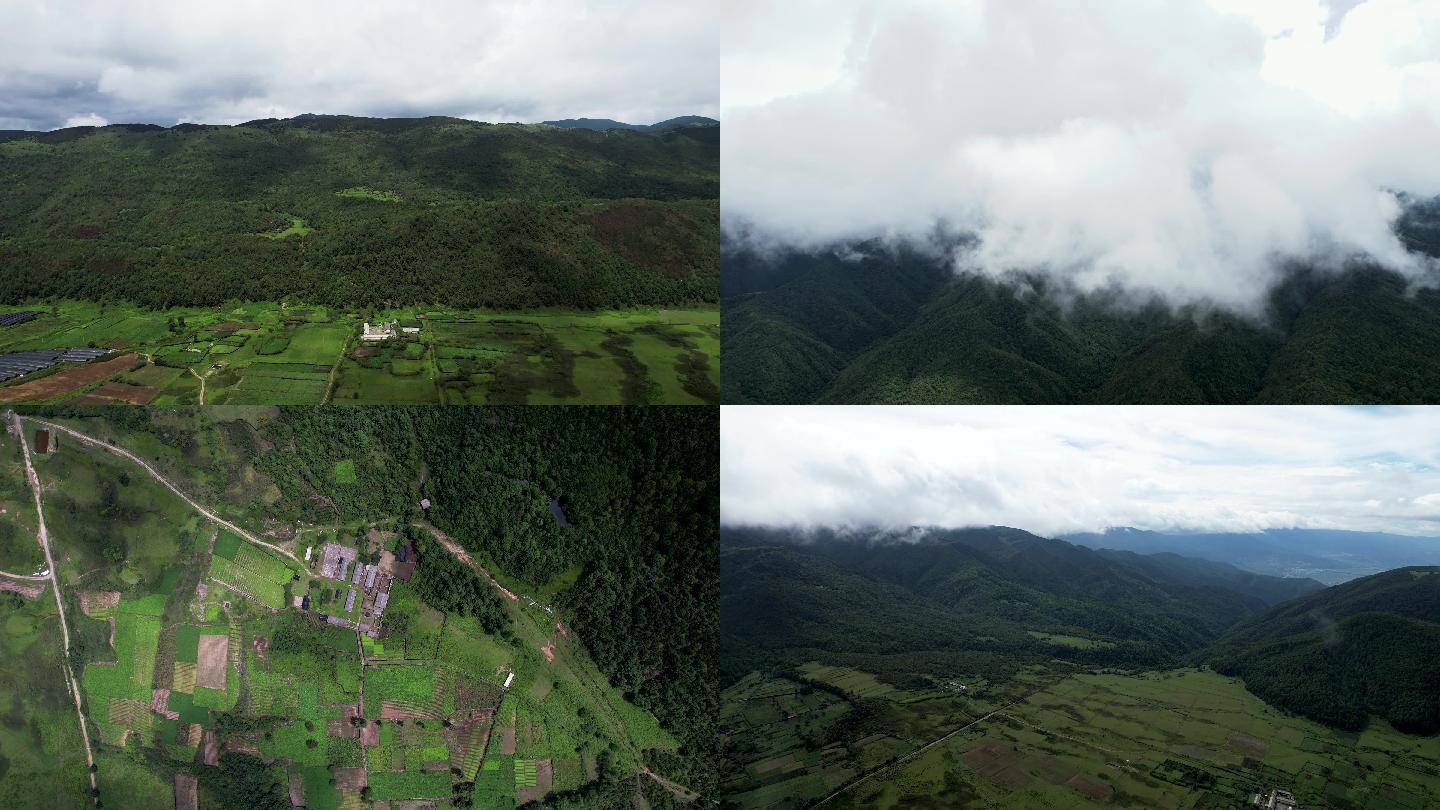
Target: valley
x,y
990,667
277,354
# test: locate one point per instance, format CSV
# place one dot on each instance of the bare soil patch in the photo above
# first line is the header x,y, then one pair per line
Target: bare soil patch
x,y
349,778
209,752
92,602
507,741
1248,744
370,735
210,666
118,393
391,711
27,589
340,728
1089,787
71,379
544,779
185,795
297,790
998,764
159,698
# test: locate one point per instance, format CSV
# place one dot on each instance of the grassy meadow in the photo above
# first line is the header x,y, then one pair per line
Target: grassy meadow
x,y
271,354
1175,739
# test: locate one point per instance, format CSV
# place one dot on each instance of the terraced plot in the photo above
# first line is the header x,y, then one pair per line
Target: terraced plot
x,y
266,354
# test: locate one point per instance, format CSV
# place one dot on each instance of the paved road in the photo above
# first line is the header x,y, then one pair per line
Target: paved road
x,y
44,539
120,451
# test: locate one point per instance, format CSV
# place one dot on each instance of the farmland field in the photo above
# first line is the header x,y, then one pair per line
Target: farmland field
x,y
270,354
1175,739
202,651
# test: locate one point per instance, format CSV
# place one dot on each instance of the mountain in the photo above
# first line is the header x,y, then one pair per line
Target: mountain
x,y
11,134
352,211
870,323
995,592
1367,647
602,124
1328,555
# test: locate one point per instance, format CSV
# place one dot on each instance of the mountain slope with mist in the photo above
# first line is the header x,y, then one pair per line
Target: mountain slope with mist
x,y
897,327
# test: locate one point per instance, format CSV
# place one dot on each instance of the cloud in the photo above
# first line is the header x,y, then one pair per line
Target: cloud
x,y
170,61
86,120
1062,469
1185,148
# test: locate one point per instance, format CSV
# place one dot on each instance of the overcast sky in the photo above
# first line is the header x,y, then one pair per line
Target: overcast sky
x,y
1174,147
1052,470
71,62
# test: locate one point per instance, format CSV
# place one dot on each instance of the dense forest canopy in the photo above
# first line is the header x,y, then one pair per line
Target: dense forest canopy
x,y
361,211
1367,647
639,486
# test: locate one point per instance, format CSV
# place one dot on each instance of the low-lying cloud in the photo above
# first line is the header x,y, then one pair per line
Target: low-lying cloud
x,y
68,62
1061,469
1187,149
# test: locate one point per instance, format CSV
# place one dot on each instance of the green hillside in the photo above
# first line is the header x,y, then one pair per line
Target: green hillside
x,y
900,327
995,594
347,211
1367,647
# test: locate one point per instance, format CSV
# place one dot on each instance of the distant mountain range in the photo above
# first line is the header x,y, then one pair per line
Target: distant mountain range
x,y
1328,555
873,323
606,123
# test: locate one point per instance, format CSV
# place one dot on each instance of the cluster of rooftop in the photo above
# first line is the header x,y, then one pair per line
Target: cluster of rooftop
x,y
368,583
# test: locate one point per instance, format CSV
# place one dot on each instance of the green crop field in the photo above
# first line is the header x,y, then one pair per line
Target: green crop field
x,y
182,635
1175,739
266,354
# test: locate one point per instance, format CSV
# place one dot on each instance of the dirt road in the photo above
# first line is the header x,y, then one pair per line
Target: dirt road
x,y
917,752
610,715
122,452
44,539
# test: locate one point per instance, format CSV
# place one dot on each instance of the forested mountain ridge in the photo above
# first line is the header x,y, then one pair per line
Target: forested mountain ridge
x,y
1367,647
993,597
869,323
354,211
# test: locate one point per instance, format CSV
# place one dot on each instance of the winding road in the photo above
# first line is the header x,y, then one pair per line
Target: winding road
x,y
120,451
44,539
681,792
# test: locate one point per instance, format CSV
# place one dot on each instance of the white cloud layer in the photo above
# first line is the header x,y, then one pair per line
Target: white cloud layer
x,y
1179,148
170,61
1052,470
